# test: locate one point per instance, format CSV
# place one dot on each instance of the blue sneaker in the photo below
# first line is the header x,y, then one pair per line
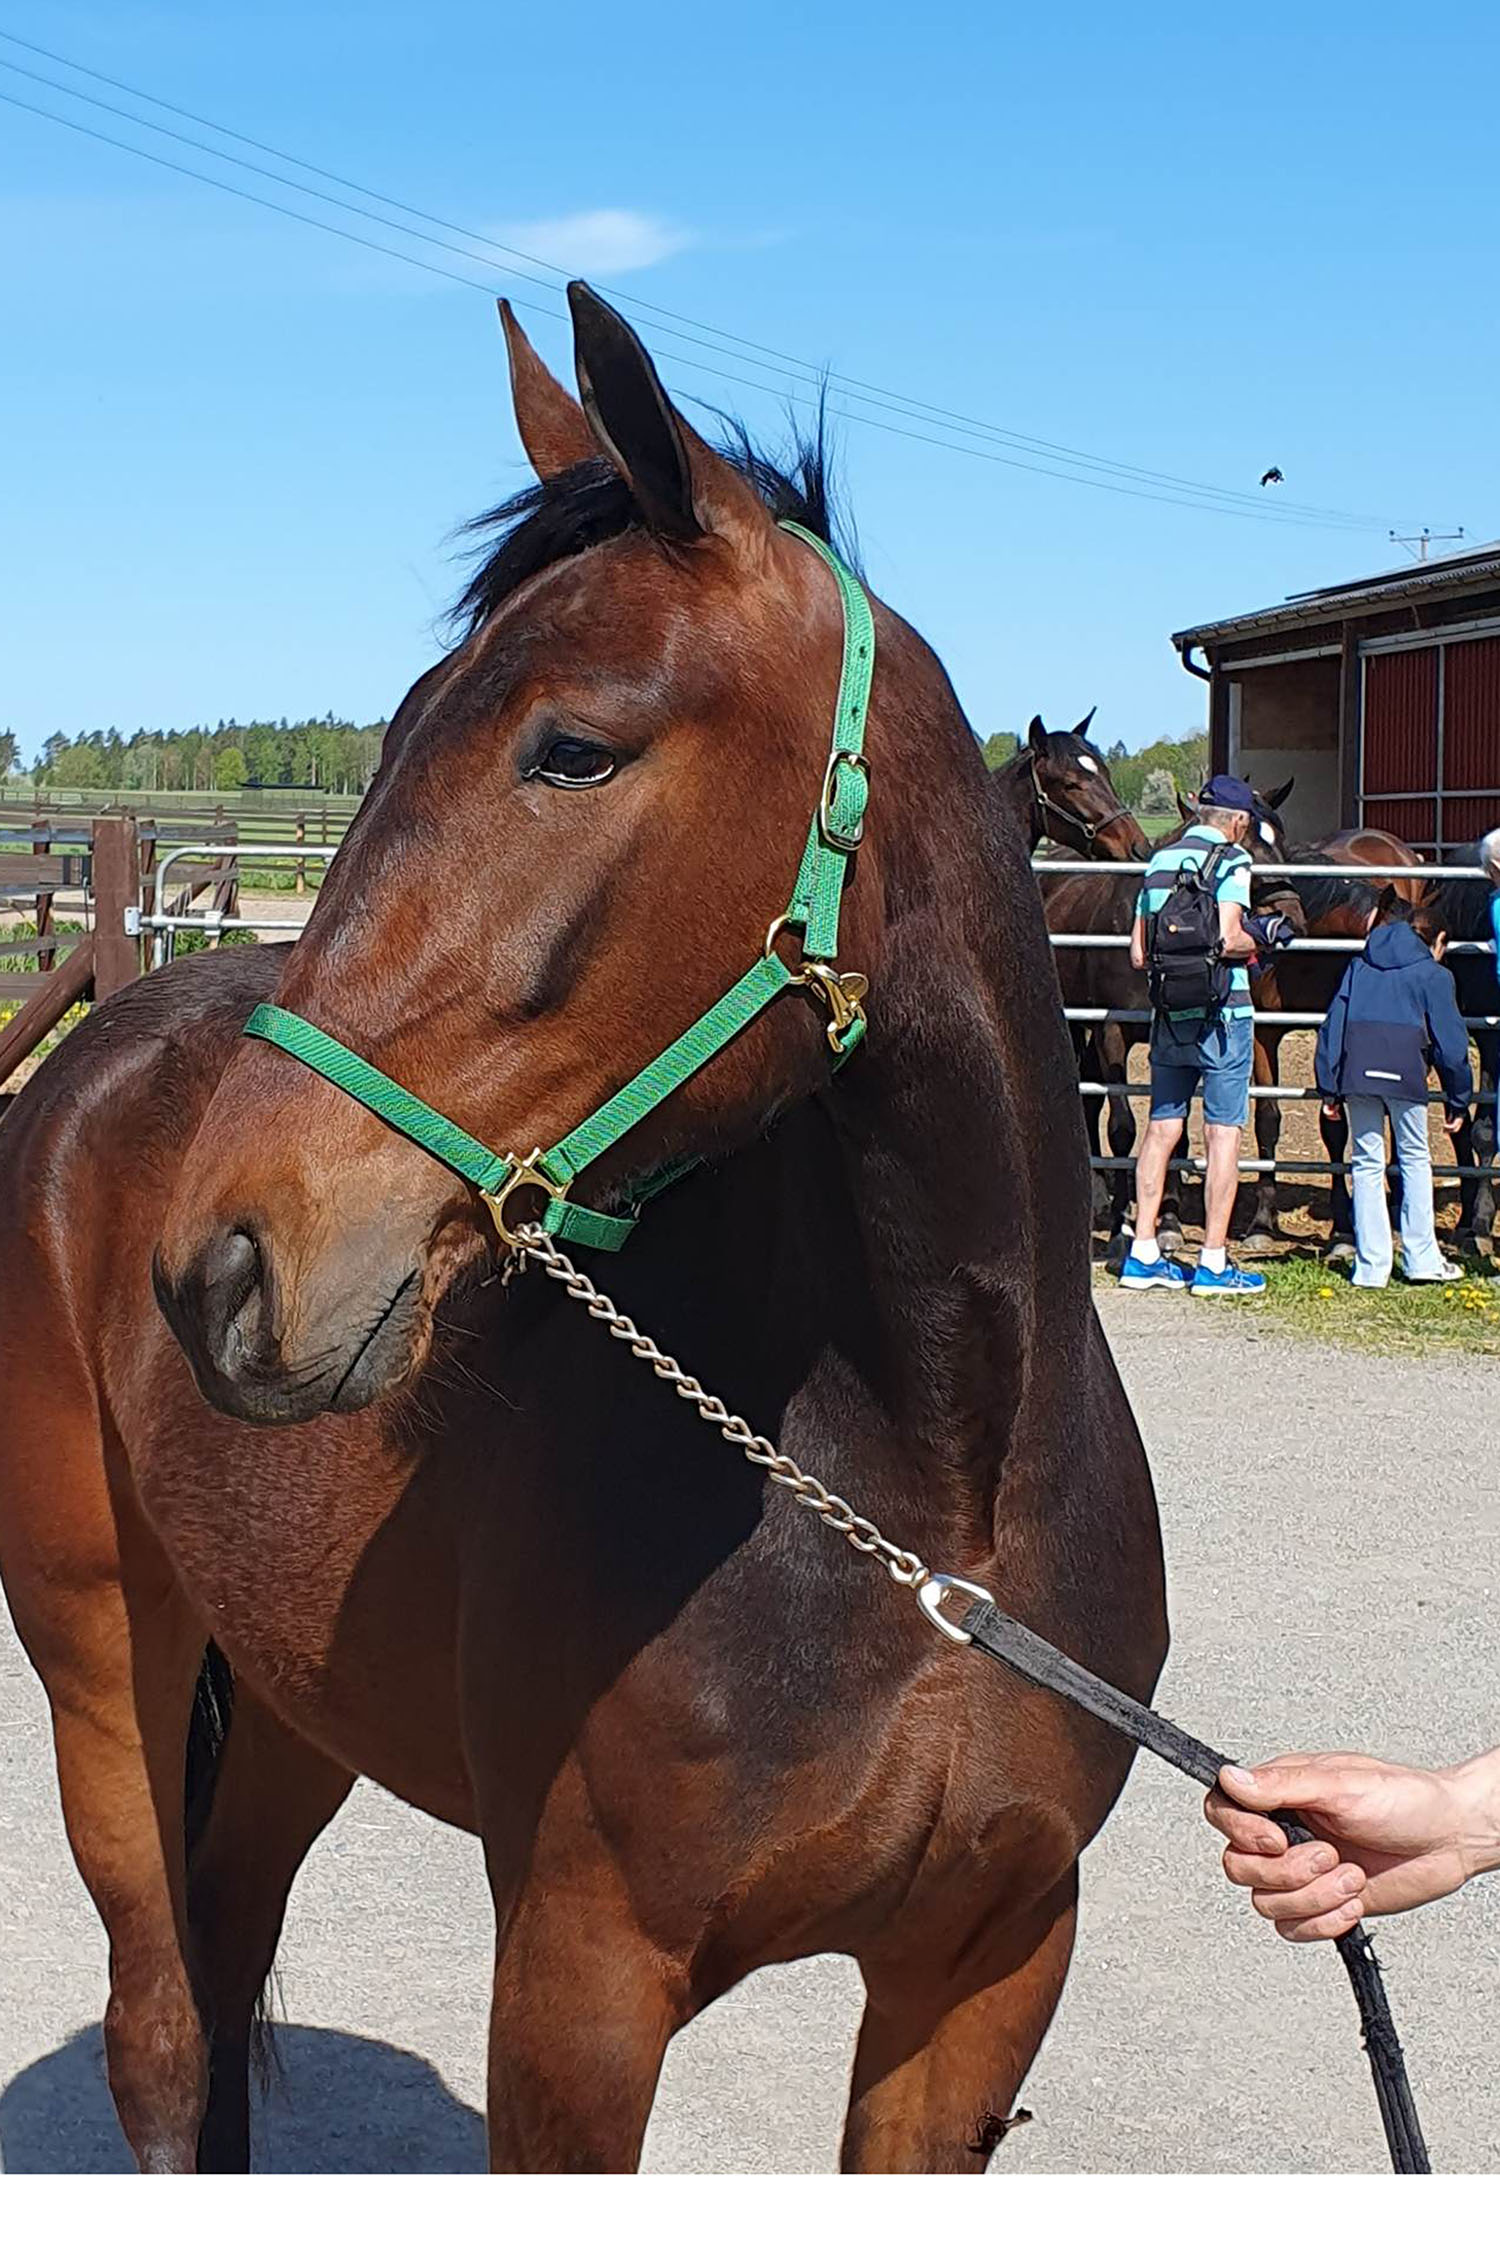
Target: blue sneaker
x,y
1230,1283
1157,1273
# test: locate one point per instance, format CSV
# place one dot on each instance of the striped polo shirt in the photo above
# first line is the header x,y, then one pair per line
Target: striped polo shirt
x,y
1232,888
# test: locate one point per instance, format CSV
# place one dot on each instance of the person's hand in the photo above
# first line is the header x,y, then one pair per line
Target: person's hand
x,y
1455,1119
1333,1111
1386,1837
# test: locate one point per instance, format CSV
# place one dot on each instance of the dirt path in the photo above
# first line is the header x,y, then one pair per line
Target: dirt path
x,y
1334,1554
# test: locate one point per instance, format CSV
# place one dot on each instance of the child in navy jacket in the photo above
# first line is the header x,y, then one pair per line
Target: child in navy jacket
x,y
1393,1015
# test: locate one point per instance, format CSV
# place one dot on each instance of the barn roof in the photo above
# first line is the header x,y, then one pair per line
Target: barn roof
x,y
1454,574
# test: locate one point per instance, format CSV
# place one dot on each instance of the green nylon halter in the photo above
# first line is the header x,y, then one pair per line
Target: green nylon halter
x,y
812,915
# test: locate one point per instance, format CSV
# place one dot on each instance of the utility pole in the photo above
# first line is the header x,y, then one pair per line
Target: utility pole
x,y
1417,542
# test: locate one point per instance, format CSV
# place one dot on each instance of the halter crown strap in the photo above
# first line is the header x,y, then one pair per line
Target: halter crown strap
x,y
812,915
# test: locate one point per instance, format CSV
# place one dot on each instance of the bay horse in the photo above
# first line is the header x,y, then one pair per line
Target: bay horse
x,y
1297,983
1057,786
1102,977
1462,909
357,1511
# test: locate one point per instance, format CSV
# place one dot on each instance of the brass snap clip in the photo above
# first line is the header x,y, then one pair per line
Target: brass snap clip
x,y
842,993
523,1173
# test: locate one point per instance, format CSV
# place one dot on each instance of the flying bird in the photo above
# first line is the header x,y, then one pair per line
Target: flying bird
x,y
1273,476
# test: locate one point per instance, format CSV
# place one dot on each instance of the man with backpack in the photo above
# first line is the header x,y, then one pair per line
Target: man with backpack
x,y
1195,937
1394,1012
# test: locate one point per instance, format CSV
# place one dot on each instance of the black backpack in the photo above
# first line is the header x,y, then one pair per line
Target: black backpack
x,y
1185,963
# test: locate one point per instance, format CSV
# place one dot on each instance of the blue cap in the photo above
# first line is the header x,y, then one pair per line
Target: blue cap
x,y
1228,793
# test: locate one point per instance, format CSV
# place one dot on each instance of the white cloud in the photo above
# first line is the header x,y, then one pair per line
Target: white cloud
x,y
595,243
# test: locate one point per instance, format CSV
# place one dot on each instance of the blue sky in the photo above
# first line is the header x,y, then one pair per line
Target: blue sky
x,y
235,448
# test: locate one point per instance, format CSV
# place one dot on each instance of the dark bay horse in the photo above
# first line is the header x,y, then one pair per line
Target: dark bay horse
x,y
448,1534
1296,983
1057,787
1102,977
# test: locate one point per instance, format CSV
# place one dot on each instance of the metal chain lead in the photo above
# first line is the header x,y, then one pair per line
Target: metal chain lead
x,y
904,1567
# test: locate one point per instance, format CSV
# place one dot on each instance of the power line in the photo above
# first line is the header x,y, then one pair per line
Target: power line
x,y
901,402
1235,506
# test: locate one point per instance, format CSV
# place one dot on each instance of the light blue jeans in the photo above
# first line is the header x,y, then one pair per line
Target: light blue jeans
x,y
1421,1260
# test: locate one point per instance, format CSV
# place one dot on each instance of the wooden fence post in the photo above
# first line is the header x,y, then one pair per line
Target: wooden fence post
x,y
300,884
46,955
117,885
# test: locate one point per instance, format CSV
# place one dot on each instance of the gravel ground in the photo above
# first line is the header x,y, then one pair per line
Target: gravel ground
x,y
1314,1602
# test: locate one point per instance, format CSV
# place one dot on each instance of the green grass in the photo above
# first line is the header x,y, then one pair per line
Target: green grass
x,y
1316,1302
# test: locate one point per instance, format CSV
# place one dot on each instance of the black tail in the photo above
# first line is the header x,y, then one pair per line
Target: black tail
x,y
208,1731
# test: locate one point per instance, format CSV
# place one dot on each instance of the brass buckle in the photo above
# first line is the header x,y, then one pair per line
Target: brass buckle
x,y
830,836
523,1173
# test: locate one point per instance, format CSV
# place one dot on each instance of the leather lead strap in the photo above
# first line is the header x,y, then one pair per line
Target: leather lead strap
x,y
1010,1643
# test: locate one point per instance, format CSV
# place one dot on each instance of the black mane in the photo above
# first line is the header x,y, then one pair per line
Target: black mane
x,y
587,504
1462,909
1325,894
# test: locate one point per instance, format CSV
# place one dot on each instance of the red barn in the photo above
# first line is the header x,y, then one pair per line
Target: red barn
x,y
1380,698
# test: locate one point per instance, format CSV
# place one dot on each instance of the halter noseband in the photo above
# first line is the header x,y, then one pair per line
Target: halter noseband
x,y
811,917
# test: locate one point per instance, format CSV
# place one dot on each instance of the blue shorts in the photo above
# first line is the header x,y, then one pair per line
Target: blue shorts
x,y
1217,1054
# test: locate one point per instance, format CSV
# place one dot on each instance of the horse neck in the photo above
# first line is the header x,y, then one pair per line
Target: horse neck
x,y
914,1225
1015,785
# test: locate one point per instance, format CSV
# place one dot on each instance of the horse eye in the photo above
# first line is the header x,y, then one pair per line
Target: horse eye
x,y
567,764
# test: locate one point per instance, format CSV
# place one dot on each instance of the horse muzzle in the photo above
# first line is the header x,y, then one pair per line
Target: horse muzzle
x,y
262,1356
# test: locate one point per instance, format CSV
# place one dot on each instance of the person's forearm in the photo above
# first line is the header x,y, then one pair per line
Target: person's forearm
x,y
1476,1799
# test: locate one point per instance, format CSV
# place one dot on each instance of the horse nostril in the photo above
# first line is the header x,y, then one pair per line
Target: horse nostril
x,y
211,1308
230,1275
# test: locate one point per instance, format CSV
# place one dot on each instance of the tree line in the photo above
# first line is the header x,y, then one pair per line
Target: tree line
x,y
328,753
335,754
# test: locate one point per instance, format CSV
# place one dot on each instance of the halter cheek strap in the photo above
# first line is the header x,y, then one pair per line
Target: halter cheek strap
x,y
811,917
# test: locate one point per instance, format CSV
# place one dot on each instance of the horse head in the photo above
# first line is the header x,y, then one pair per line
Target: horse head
x,y
1076,804
584,820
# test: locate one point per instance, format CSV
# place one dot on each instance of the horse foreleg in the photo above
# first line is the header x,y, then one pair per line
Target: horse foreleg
x,y
1114,1068
1482,1137
583,2008
102,1619
939,2066
273,1794
1335,1137
1260,1236
1091,1067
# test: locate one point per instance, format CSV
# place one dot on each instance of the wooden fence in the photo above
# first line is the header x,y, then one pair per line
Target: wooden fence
x,y
100,859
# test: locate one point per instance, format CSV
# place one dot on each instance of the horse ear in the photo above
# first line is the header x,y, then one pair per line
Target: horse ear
x,y
1036,737
554,428
1278,797
1187,806
1082,728
682,486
